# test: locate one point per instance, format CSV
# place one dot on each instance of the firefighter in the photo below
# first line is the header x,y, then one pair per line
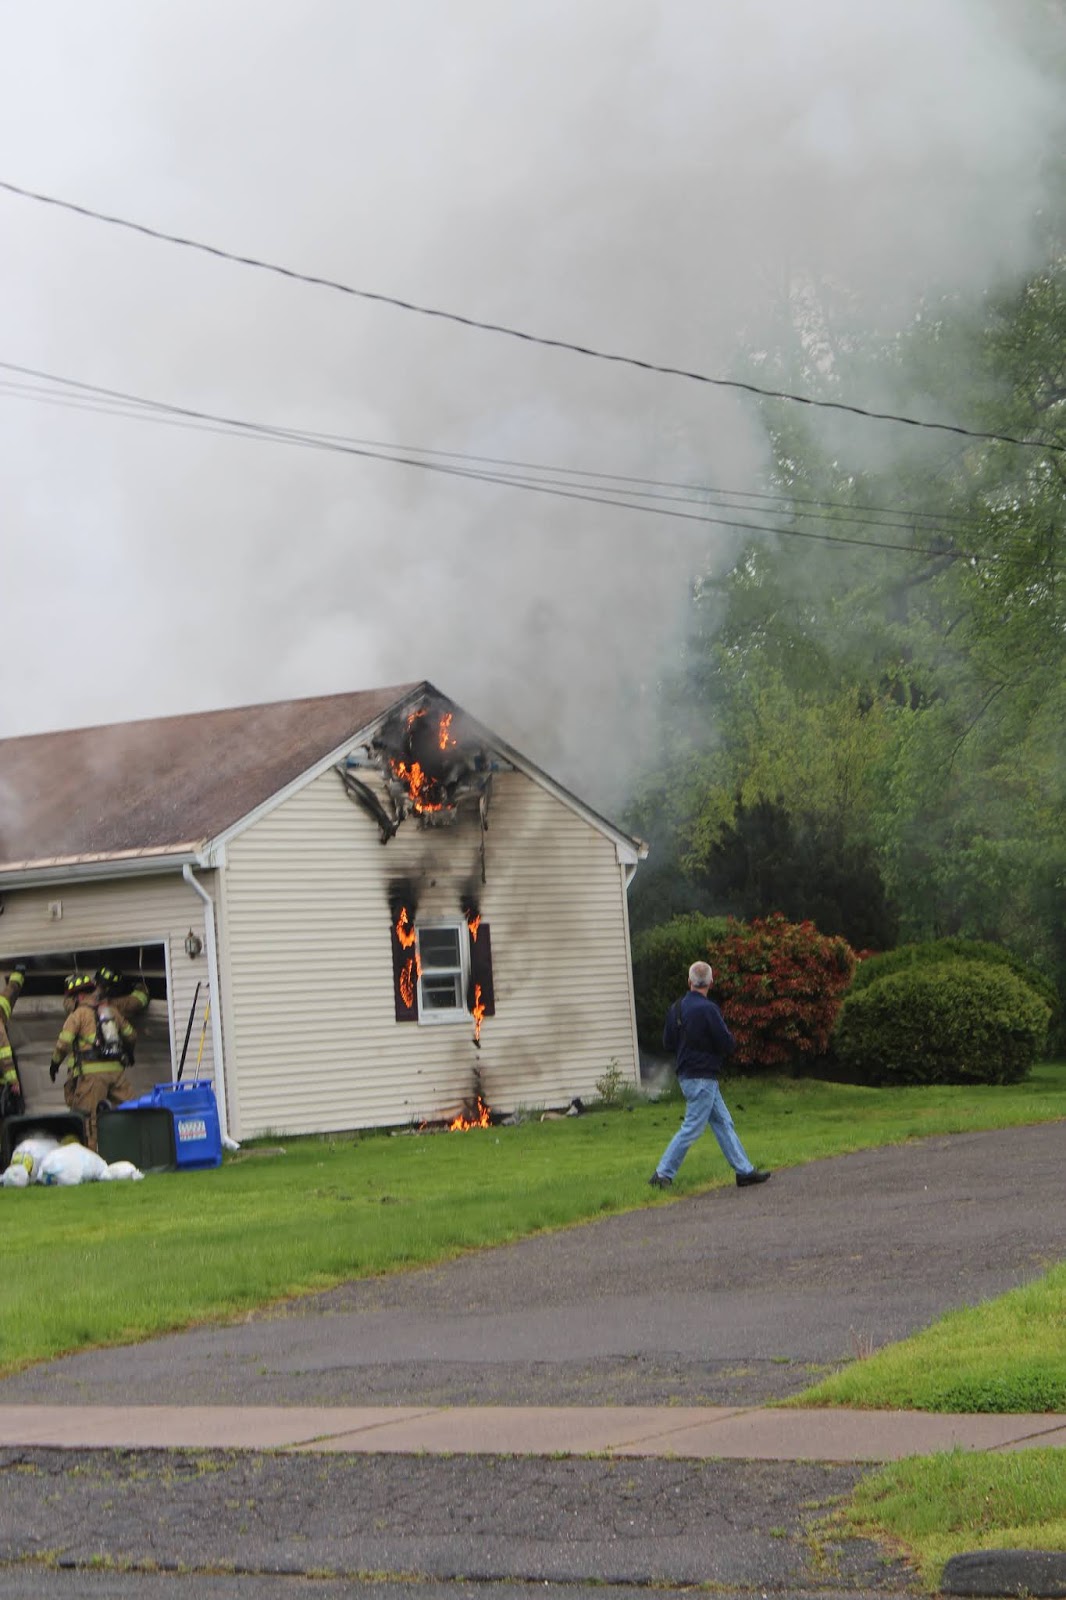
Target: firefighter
x,y
11,1101
129,1005
75,990
76,987
97,1045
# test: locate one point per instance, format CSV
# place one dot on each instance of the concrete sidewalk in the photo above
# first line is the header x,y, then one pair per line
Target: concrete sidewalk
x,y
685,1432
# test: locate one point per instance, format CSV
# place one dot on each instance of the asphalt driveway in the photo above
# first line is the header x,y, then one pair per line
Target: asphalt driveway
x,y
730,1297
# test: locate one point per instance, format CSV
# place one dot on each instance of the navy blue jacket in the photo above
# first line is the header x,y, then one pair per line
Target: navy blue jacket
x,y
699,1036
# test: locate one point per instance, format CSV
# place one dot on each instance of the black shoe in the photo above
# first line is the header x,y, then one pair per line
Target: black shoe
x,y
658,1182
754,1176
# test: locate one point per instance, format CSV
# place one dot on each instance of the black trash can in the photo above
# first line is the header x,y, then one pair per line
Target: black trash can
x,y
141,1134
60,1124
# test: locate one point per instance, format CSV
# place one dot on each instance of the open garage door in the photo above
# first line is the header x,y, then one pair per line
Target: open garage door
x,y
38,1017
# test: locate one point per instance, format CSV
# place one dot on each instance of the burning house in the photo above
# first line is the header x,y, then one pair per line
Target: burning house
x,y
357,906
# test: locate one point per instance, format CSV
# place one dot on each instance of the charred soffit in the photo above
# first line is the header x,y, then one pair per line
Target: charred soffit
x,y
431,767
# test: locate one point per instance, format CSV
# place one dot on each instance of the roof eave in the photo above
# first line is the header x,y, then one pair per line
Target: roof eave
x,y
85,868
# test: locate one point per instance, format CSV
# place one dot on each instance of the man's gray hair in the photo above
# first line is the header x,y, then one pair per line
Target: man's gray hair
x,y
700,975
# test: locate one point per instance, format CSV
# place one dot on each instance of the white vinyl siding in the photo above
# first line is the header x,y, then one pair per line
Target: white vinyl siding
x,y
312,1040
97,915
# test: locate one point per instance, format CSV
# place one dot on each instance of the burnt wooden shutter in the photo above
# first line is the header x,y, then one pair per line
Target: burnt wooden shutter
x,y
404,979
481,970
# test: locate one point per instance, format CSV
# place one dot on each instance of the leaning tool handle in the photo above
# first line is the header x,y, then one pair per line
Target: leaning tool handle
x,y
203,1036
188,1031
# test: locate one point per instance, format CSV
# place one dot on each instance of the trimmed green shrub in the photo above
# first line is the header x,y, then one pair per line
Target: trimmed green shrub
x,y
947,1022
661,959
935,951
779,984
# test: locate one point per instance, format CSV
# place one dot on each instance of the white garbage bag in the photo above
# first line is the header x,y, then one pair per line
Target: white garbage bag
x,y
122,1170
72,1163
26,1158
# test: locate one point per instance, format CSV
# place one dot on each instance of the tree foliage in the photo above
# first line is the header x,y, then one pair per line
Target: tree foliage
x,y
884,725
804,866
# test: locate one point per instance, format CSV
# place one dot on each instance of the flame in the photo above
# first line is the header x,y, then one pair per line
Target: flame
x,y
417,782
413,718
404,930
444,729
479,1012
407,984
483,1120
473,922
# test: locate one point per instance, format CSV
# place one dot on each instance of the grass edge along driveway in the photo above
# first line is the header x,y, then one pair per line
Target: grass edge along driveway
x,y
929,1508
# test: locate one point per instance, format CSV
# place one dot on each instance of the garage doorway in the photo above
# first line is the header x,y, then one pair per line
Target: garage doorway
x,y
38,1016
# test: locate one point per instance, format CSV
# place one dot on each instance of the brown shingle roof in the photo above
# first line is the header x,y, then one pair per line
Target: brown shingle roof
x,y
168,783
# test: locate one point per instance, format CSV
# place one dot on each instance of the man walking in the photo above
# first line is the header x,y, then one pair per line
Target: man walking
x,y
696,1030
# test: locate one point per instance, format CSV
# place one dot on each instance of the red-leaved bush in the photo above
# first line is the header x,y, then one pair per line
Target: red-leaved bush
x,y
779,985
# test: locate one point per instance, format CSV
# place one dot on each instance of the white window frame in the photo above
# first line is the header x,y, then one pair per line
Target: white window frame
x,y
430,1015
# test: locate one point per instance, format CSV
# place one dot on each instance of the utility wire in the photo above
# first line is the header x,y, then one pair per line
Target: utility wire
x,y
559,477
518,333
137,407
695,493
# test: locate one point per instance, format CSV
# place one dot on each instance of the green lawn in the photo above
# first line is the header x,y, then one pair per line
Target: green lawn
x,y
112,1263
933,1507
1007,1355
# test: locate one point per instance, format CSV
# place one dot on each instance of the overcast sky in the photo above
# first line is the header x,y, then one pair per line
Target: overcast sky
x,y
642,177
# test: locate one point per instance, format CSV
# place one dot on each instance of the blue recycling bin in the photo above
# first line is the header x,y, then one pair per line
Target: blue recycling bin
x,y
194,1110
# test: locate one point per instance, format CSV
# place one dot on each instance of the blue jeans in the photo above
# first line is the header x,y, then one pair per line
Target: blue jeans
x,y
704,1104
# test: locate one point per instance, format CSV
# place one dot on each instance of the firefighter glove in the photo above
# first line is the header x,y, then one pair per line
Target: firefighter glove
x,y
20,967
53,1070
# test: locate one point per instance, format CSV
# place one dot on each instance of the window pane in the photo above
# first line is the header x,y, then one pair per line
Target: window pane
x,y
440,993
439,947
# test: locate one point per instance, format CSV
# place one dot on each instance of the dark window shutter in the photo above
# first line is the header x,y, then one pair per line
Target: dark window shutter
x,y
481,970
404,980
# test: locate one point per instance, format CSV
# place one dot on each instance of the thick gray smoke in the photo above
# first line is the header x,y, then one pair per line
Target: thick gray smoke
x,y
653,179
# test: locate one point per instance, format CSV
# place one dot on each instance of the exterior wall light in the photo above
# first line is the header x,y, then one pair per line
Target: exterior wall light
x,y
193,945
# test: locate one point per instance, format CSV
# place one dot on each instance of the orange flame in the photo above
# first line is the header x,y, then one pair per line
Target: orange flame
x,y
479,1012
444,728
483,1119
404,931
413,718
416,781
407,985
473,922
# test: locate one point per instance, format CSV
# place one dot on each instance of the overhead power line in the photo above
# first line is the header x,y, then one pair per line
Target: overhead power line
x,y
504,329
129,406
107,403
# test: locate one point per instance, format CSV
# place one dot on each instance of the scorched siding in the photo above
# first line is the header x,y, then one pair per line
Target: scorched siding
x,y
312,1039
